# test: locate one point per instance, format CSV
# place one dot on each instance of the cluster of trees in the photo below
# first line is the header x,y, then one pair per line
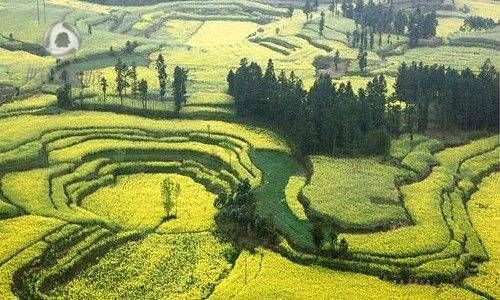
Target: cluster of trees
x,y
126,77
377,16
421,26
238,221
329,245
326,119
365,37
309,8
325,62
474,23
448,97
130,46
384,18
127,82
127,49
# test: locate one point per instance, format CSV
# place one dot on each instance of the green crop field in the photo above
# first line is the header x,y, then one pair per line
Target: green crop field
x,y
362,196
139,167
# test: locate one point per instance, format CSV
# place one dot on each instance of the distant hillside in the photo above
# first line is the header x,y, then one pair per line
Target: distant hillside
x,y
399,4
127,2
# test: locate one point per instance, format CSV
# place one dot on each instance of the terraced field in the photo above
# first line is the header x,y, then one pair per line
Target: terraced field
x,y
78,190
483,208
459,57
439,243
75,182
84,212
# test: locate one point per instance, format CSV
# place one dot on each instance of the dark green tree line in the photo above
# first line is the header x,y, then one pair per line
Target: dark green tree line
x,y
327,119
455,99
385,18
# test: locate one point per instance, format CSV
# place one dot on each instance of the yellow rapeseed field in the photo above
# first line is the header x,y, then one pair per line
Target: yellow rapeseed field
x,y
19,233
214,33
8,269
26,128
447,26
266,275
181,266
484,212
20,67
30,103
134,202
194,208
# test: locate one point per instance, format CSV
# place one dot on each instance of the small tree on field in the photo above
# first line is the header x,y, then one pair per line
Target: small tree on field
x,y
132,73
64,96
333,242
170,193
128,47
410,118
64,77
104,88
230,82
162,75
336,60
332,7
362,59
121,79
179,86
290,11
322,23
143,90
343,248
317,235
